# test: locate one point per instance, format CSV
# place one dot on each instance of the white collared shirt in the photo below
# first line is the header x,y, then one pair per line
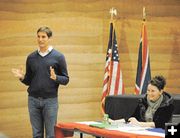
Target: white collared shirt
x,y
43,54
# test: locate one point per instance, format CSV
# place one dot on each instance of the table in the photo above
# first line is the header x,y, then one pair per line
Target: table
x,y
67,130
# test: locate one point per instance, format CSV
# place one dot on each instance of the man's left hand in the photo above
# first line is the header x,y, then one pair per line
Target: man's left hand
x,y
52,73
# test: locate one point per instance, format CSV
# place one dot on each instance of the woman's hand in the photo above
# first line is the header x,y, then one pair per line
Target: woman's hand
x,y
134,121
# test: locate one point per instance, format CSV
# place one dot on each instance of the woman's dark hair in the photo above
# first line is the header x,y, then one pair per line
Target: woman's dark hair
x,y
158,81
45,29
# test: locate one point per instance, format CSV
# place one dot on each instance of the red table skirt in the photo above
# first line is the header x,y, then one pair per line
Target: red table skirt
x,y
67,130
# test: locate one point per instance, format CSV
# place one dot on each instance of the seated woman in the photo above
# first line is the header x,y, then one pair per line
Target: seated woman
x,y
156,108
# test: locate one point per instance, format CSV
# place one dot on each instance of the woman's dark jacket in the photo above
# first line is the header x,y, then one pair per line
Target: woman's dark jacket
x,y
162,115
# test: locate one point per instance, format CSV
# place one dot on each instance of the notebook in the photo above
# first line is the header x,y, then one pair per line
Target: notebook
x,y
99,125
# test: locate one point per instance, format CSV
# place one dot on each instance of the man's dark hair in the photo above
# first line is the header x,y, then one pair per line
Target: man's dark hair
x,y
45,29
158,81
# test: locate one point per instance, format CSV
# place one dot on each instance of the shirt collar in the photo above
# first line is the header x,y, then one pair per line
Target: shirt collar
x,y
50,48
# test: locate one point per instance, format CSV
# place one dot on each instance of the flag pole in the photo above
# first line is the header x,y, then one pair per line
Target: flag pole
x,y
113,13
144,14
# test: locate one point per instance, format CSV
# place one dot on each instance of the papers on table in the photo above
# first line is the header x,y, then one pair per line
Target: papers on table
x,y
125,127
137,130
89,122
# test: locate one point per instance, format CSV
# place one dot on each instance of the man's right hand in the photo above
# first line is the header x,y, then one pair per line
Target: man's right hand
x,y
19,73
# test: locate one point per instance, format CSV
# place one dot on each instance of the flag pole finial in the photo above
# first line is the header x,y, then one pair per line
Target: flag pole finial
x,y
144,14
113,13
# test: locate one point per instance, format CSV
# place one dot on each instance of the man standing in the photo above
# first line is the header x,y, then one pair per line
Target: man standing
x,y
45,70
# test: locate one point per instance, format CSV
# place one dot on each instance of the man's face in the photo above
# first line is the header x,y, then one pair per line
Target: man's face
x,y
42,39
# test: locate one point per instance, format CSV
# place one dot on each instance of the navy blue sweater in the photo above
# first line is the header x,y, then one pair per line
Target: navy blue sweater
x,y
37,75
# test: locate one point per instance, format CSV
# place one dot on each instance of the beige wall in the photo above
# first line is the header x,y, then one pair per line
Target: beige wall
x,y
81,29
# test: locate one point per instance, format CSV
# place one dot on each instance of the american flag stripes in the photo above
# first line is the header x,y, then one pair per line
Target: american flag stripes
x,y
143,75
113,83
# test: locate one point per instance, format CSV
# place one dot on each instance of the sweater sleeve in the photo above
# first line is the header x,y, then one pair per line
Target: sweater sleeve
x,y
136,113
163,115
28,75
62,77
139,111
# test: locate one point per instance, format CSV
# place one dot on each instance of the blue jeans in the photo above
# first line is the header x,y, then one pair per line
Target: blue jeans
x,y
43,115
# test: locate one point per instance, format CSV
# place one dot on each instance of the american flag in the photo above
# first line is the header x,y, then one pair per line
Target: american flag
x,y
113,83
143,75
